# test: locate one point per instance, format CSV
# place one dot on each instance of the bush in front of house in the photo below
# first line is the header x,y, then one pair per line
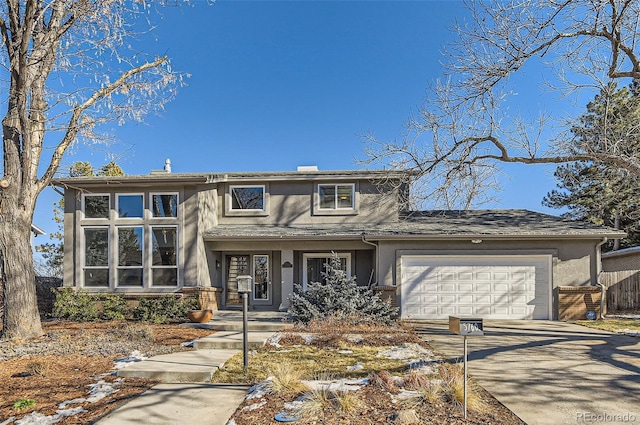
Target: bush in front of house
x,y
165,309
82,306
339,296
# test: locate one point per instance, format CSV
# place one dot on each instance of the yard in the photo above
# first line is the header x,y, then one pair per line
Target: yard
x,y
74,361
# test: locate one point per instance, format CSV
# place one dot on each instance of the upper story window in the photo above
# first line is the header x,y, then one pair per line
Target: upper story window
x,y
96,206
130,206
164,205
336,196
247,198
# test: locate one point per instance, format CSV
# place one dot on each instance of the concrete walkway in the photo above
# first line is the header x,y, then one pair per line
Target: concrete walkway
x,y
187,394
550,372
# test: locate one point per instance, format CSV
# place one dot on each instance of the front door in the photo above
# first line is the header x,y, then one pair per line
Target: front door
x,y
258,267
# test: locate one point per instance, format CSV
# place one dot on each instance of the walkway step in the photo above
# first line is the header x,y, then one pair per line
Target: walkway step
x,y
181,367
236,326
231,340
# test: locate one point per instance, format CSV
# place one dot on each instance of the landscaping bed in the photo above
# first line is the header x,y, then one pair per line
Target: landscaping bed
x,y
75,361
335,374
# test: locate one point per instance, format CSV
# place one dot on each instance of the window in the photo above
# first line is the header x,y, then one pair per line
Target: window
x,y
164,250
314,267
247,198
96,206
164,205
130,206
130,256
336,196
134,245
96,256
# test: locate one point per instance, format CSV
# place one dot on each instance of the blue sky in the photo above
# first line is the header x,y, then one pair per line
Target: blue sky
x,y
277,84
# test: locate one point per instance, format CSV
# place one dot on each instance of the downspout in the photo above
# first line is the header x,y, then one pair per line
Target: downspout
x,y
603,289
364,240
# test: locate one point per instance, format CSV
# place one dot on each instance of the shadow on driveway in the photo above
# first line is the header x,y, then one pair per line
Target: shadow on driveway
x,y
550,372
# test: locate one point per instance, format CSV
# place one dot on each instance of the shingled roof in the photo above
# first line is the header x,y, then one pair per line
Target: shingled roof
x,y
430,225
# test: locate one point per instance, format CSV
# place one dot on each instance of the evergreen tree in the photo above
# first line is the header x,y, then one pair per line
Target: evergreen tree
x,y
602,193
339,295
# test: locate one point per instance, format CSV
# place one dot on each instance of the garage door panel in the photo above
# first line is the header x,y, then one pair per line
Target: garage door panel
x,y
500,287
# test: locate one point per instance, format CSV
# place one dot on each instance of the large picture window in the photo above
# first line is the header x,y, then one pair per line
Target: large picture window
x,y
96,256
336,196
164,253
247,198
129,241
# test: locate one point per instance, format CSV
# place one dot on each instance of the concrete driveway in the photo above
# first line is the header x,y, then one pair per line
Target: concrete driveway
x,y
550,372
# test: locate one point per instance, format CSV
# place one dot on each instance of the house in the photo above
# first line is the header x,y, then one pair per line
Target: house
x,y
166,232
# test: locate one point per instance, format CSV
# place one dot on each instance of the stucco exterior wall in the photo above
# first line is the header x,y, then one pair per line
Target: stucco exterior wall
x,y
292,202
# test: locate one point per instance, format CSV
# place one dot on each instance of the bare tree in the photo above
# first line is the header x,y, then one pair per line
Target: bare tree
x,y
464,131
70,67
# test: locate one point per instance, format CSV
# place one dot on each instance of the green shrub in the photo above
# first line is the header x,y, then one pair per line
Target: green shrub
x,y
114,307
79,306
24,403
165,309
341,297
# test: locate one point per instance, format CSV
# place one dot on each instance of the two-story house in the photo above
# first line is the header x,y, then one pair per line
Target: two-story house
x,y
164,233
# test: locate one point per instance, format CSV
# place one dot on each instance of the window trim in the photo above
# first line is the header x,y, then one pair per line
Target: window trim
x,y
230,211
84,204
327,255
119,267
153,267
117,206
353,210
83,260
150,207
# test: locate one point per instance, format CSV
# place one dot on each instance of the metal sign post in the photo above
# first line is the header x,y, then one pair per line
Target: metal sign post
x,y
244,287
465,327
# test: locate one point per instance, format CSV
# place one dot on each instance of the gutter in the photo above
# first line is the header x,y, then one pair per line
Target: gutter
x,y
364,240
603,289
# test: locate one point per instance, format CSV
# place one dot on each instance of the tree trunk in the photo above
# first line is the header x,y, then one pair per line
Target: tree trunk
x,y
21,316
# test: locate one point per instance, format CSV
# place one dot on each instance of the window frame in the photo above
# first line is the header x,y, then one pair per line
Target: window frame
x,y
230,211
84,205
336,210
117,206
119,267
150,206
85,267
322,255
153,267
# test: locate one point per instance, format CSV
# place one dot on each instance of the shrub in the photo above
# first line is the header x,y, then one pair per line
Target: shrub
x,y
114,307
24,403
79,306
165,309
339,295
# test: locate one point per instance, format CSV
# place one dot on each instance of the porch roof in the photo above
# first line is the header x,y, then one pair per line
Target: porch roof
x,y
497,224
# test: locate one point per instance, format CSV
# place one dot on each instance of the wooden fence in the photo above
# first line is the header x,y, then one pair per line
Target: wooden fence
x,y
623,290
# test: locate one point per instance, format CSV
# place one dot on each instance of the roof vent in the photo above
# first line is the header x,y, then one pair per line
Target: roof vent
x,y
307,168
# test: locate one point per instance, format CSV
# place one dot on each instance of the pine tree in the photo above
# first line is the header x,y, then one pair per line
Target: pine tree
x,y
602,193
339,295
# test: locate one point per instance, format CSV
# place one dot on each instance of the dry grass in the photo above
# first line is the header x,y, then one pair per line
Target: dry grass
x,y
320,400
287,379
611,325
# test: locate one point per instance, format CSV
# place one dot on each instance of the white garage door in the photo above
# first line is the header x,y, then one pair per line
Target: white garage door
x,y
491,287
